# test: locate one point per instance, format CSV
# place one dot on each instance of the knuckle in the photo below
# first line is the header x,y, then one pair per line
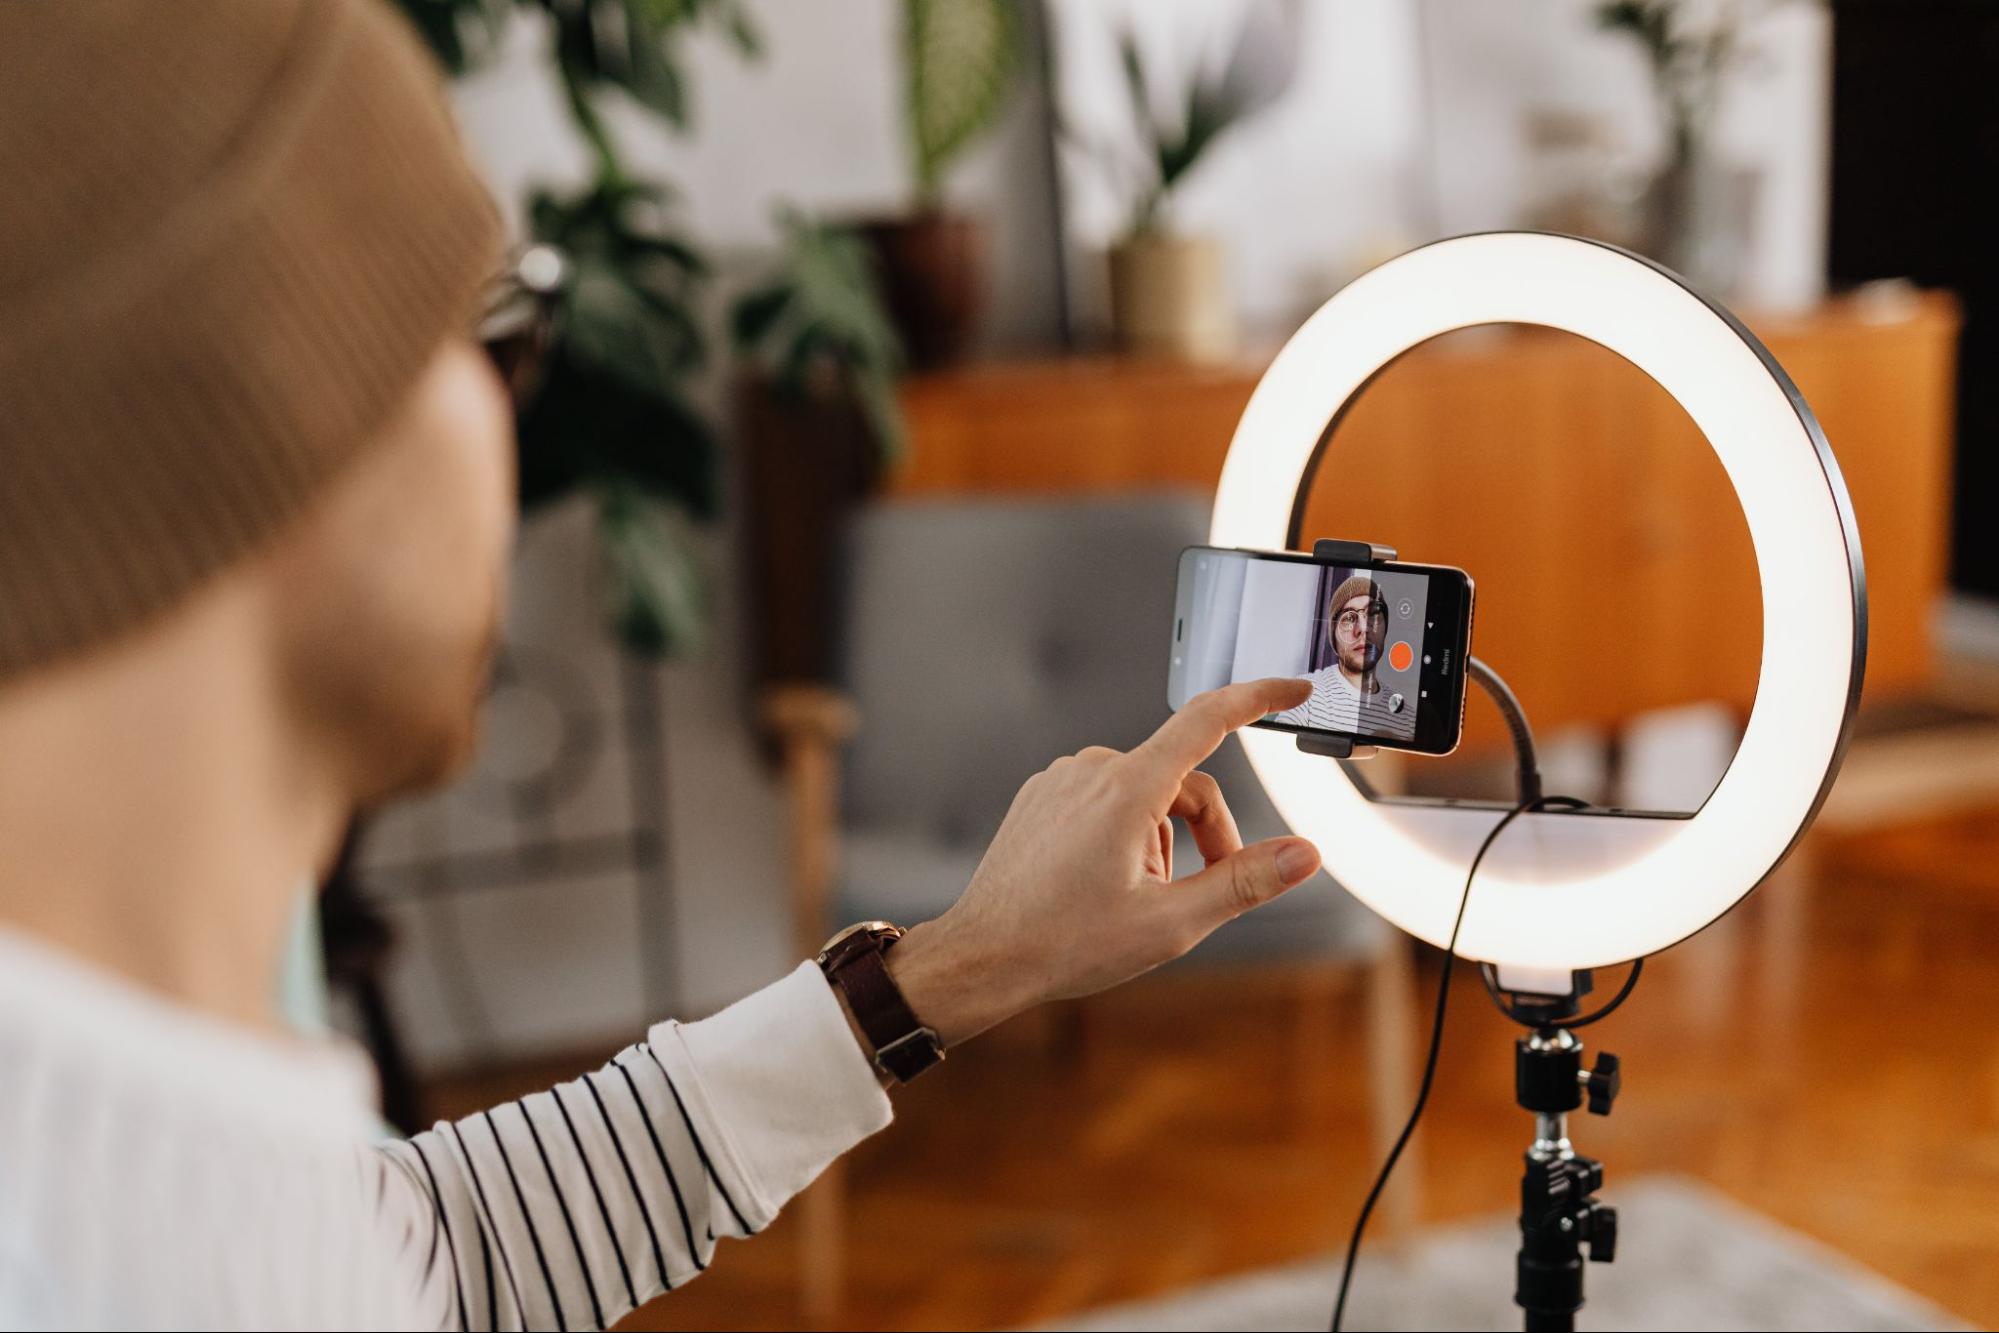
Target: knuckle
x,y
1096,754
1246,888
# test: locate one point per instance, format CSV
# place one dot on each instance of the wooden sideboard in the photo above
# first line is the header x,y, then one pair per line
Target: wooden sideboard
x,y
1614,568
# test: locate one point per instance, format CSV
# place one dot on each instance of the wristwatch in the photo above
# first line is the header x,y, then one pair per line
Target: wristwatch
x,y
855,961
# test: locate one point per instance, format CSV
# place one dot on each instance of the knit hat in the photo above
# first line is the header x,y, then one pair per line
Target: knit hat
x,y
232,234
1355,585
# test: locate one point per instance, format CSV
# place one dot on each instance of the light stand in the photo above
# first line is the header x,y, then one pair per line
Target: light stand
x,y
1559,1212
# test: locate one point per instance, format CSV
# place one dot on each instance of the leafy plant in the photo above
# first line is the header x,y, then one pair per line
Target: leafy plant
x,y
1688,61
959,60
816,325
1259,68
614,417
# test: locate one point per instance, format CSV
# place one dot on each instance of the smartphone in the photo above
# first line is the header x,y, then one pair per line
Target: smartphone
x,y
1384,644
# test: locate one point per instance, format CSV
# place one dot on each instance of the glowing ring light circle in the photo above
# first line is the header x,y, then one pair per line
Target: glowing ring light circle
x,y
1576,890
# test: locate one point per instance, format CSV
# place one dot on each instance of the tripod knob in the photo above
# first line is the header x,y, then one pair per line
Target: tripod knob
x,y
1602,1233
1604,1083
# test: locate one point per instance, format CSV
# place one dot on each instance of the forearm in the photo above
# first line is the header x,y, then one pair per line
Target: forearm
x,y
584,1201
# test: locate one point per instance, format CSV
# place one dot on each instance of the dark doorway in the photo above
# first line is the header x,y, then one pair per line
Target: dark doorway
x,y
1915,194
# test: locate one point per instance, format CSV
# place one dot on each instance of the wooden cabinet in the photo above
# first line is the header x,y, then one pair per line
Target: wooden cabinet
x,y
1614,569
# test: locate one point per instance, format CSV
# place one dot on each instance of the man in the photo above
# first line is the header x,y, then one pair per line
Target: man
x,y
1347,696
255,504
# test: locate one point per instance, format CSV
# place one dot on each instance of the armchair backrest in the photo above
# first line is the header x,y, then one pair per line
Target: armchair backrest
x,y
985,638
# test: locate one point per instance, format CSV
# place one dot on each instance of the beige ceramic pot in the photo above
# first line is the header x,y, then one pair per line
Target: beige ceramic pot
x,y
1170,297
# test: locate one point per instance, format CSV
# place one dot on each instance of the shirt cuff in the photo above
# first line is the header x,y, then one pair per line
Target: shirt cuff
x,y
785,1082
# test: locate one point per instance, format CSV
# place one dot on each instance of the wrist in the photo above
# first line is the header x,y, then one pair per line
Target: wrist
x,y
949,984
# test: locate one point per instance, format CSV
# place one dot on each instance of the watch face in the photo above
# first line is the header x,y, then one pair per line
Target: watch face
x,y
888,928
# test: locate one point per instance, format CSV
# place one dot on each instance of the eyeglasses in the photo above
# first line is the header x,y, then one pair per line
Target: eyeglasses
x,y
1349,622
518,315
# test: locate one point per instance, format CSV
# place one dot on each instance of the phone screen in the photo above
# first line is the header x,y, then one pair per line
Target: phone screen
x,y
1383,645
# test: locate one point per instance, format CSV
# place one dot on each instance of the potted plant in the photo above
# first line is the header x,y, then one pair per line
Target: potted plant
x,y
1170,289
615,418
820,424
959,60
1697,210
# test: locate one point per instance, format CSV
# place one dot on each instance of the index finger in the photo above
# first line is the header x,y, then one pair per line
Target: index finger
x,y
1192,734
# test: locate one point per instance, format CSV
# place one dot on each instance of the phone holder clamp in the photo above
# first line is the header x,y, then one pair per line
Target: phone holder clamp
x,y
1351,553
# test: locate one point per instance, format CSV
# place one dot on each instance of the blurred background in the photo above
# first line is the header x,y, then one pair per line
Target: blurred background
x,y
901,344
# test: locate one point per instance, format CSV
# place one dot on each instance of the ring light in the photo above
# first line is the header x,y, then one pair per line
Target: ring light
x,y
1560,890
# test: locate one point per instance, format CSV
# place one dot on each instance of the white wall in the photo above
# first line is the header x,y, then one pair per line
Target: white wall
x,y
1301,192
1491,61
1405,124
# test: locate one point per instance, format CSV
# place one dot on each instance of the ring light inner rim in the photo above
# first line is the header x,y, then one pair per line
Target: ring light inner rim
x,y
1294,538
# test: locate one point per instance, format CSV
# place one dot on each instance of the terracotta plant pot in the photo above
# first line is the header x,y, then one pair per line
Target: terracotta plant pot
x,y
807,462
932,269
1170,297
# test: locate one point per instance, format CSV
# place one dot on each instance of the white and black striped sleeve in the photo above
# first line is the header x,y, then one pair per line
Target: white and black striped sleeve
x,y
571,1207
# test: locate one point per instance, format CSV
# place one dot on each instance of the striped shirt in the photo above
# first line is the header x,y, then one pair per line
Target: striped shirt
x,y
161,1169
1336,705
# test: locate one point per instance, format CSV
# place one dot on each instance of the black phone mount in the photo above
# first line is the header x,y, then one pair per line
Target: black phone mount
x,y
1351,553
1344,553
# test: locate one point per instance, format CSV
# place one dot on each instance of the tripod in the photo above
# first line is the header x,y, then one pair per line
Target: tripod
x,y
1559,1212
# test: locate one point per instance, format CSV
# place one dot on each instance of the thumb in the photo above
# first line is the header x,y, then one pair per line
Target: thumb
x,y
1248,878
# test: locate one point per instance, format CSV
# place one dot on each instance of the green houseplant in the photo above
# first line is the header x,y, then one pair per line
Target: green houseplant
x,y
821,424
616,417
1169,288
1697,210
959,61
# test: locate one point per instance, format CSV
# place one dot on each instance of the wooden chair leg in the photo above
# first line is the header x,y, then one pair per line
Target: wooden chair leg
x,y
1391,1040
811,724
822,1264
1066,1034
1315,1041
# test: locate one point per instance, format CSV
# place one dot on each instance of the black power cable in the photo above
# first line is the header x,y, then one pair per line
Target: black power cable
x,y
1429,1062
1529,798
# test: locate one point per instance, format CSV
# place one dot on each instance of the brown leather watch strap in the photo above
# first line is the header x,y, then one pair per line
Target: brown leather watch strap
x,y
855,960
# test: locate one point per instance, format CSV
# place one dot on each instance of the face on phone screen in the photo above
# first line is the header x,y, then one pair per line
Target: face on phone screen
x,y
1380,644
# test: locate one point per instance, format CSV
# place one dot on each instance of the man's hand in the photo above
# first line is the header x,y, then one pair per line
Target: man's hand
x,y
1076,893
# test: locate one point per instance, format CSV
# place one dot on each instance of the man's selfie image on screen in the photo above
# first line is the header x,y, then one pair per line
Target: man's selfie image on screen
x,y
1348,693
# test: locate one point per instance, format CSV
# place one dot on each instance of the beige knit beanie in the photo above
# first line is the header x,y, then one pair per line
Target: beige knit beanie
x,y
232,233
1355,585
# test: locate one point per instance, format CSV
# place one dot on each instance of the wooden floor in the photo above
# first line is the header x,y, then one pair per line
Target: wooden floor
x,y
1828,1055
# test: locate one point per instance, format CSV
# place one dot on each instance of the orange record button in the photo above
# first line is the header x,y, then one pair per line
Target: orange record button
x,y
1400,655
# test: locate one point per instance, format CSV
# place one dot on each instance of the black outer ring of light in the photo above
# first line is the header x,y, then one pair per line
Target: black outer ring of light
x,y
1828,469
